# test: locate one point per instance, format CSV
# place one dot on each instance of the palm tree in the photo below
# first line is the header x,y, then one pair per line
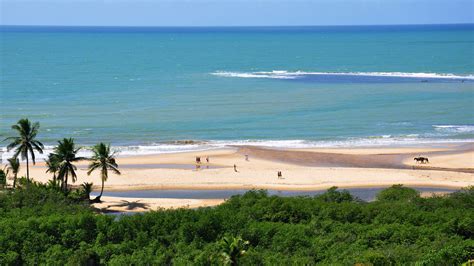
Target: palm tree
x,y
65,154
87,189
53,184
104,160
232,249
14,167
26,142
53,165
3,178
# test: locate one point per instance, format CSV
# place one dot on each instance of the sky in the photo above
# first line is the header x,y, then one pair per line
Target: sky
x,y
234,12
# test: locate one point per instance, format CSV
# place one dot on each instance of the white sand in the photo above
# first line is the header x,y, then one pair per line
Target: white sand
x,y
259,173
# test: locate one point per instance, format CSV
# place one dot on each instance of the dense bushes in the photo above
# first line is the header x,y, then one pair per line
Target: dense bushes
x,y
40,226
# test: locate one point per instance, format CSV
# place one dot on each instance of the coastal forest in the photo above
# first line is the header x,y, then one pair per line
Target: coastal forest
x,y
55,223
40,224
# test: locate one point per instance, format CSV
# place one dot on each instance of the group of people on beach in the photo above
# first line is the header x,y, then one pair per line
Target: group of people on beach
x,y
198,162
198,159
198,165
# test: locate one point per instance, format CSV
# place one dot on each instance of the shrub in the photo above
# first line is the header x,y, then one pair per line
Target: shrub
x,y
41,225
398,193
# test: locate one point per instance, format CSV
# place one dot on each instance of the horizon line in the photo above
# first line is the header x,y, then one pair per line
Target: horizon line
x,y
235,26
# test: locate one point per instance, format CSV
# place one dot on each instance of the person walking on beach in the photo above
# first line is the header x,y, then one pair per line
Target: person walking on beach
x,y
207,159
279,175
235,168
247,157
198,159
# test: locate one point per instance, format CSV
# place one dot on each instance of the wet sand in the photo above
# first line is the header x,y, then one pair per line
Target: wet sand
x,y
459,159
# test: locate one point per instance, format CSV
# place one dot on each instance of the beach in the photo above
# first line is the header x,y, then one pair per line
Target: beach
x,y
451,166
236,133
325,106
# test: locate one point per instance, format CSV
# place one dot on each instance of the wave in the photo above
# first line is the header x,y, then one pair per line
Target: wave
x,y
130,150
372,141
454,128
162,148
272,75
282,74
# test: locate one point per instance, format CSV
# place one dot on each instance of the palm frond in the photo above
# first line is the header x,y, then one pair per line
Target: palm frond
x,y
17,152
73,174
114,169
75,159
62,172
32,153
12,145
9,138
38,146
92,167
17,128
14,165
34,129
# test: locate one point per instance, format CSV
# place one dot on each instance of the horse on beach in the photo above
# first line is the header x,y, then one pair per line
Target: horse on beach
x,y
421,160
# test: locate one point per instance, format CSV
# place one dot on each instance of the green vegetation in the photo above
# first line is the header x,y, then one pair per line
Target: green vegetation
x,y
14,167
398,193
3,178
65,155
60,163
25,143
104,160
232,249
54,225
53,165
40,225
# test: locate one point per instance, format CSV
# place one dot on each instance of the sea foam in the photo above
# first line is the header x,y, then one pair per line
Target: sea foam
x,y
282,74
454,128
163,148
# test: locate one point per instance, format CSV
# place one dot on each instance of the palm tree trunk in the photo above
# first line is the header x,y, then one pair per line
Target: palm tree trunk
x,y
14,181
27,170
65,183
101,190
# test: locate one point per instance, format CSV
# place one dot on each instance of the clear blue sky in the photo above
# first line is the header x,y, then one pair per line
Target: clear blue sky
x,y
234,12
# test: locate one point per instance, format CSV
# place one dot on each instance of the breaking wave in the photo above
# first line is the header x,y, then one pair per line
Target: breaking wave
x,y
190,146
454,128
281,74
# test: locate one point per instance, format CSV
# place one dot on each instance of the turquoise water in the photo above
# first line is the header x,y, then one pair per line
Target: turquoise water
x,y
144,88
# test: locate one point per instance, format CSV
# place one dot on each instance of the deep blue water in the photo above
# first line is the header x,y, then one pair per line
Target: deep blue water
x,y
143,88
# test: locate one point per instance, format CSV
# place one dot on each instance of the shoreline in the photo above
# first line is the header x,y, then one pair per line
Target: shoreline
x,y
451,167
210,146
282,188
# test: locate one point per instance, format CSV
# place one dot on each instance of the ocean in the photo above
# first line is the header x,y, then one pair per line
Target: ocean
x,y
151,89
